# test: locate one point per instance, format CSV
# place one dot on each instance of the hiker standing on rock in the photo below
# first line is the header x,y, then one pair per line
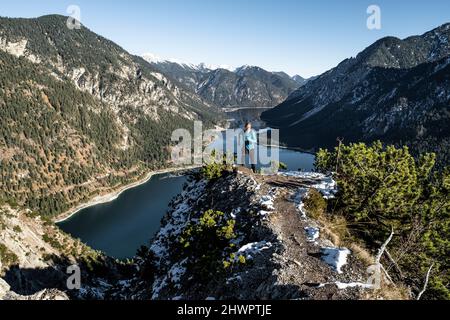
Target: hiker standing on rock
x,y
250,142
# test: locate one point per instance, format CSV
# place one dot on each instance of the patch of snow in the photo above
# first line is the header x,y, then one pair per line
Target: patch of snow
x,y
158,285
152,58
264,213
304,175
327,187
335,257
177,271
255,184
251,249
343,285
234,279
268,201
312,234
179,219
298,200
235,212
325,184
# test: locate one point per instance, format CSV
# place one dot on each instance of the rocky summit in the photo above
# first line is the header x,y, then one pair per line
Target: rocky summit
x,y
272,248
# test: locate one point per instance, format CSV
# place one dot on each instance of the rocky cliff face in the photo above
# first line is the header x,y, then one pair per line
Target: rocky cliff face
x,y
46,294
35,255
97,66
395,90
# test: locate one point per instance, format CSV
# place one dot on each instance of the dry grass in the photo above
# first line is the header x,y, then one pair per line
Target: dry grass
x,y
389,292
335,228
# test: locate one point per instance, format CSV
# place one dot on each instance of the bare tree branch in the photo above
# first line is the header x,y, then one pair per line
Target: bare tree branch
x,y
394,263
427,279
380,254
383,247
388,277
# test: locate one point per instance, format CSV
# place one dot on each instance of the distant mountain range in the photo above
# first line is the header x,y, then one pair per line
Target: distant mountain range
x,y
396,90
243,87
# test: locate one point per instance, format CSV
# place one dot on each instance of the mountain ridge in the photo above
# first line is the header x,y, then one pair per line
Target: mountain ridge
x,y
343,101
245,86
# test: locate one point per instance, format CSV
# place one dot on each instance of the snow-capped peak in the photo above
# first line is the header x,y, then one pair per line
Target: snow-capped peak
x,y
243,68
152,58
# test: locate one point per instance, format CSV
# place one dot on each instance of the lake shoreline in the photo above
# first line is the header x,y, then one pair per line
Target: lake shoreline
x,y
113,195
296,149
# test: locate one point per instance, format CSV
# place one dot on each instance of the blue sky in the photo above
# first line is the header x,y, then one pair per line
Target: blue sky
x,y
299,37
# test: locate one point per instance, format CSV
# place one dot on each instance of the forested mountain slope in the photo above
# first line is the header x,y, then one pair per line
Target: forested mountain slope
x,y
80,114
395,90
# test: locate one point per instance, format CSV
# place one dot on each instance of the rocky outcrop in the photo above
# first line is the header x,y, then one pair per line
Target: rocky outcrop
x,y
283,253
35,256
264,245
46,294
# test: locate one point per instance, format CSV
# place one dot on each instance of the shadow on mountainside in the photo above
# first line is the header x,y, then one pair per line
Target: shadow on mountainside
x,y
25,281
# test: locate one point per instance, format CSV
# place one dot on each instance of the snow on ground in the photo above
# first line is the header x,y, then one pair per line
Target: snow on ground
x,y
235,212
343,285
264,213
322,183
335,257
158,285
312,234
177,271
298,200
303,175
236,278
179,219
325,184
327,187
255,184
268,202
251,249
